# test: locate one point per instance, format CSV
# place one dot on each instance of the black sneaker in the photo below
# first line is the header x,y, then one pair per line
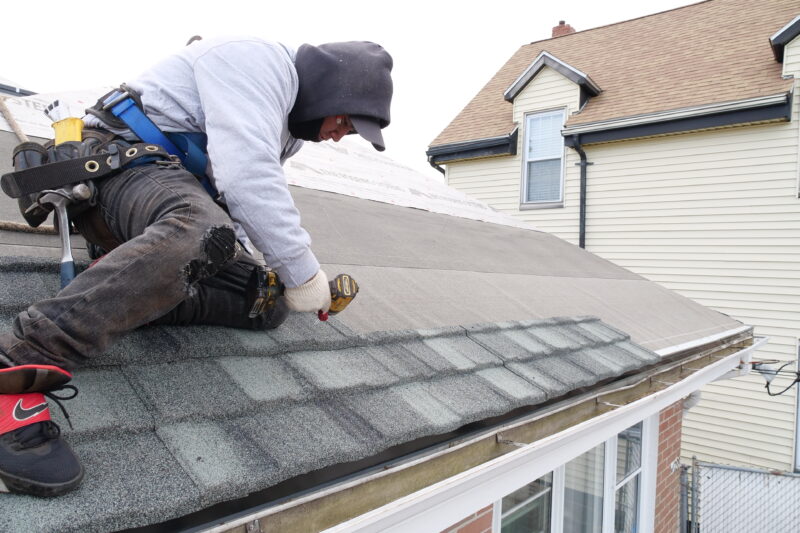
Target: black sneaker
x,y
33,457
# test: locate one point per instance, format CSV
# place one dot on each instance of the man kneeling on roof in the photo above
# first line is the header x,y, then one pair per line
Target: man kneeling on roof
x,y
175,253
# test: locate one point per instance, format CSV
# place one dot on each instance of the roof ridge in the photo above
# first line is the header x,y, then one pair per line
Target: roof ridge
x,y
618,23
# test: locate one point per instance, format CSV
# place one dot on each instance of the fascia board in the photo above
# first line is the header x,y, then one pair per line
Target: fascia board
x,y
783,36
542,60
488,147
676,114
445,503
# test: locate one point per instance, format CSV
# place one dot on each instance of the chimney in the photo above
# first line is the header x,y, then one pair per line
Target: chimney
x,y
562,29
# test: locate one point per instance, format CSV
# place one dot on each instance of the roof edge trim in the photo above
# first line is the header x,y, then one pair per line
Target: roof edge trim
x,y
14,91
547,60
783,36
678,348
674,116
489,147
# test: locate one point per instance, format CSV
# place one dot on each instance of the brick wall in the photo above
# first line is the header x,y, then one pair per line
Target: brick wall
x,y
480,522
667,481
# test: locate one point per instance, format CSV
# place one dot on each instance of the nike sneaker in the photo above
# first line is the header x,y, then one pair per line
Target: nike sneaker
x,y
32,378
33,457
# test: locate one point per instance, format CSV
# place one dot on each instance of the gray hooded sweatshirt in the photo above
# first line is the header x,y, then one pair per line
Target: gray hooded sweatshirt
x,y
239,92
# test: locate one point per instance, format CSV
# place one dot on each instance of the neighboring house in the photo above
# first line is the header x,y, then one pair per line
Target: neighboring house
x,y
670,145
488,375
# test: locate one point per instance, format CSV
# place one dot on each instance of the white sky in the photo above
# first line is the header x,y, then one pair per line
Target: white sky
x,y
444,51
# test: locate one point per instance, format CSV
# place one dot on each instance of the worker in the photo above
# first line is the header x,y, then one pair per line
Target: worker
x,y
179,252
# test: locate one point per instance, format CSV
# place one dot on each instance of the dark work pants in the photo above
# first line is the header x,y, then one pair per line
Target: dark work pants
x,y
178,263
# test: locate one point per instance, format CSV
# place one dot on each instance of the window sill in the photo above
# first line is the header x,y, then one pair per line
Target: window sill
x,y
543,205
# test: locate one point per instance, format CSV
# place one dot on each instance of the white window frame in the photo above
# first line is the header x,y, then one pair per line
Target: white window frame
x,y
647,484
523,202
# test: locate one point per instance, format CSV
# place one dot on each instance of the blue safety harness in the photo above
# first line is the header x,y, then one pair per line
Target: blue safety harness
x,y
189,147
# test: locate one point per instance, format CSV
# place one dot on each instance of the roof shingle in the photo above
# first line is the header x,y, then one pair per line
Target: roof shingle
x,y
711,52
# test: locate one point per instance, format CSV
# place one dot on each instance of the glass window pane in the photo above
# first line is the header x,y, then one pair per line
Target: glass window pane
x,y
527,510
544,136
629,451
583,492
626,508
544,181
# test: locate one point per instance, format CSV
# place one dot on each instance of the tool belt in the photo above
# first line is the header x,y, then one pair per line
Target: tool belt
x,y
71,169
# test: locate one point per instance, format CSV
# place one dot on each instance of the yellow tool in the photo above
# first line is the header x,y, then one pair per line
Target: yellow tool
x,y
67,128
343,290
266,288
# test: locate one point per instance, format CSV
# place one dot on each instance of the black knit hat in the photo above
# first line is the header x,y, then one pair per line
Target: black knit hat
x,y
350,78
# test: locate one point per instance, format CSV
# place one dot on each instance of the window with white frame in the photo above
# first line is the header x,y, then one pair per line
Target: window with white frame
x,y
597,492
543,171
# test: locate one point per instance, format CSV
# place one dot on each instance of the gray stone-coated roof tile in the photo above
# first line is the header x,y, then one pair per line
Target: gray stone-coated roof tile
x,y
638,352
469,396
399,359
514,387
199,389
603,331
107,404
389,414
462,352
222,461
303,331
341,369
264,379
292,437
434,412
556,336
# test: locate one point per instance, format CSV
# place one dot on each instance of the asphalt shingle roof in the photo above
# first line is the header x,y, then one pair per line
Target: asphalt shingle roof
x,y
710,52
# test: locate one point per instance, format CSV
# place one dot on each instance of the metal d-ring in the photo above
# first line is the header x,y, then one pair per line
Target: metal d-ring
x,y
92,166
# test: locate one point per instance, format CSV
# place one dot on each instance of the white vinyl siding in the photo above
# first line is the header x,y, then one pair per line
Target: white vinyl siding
x,y
497,181
791,58
713,215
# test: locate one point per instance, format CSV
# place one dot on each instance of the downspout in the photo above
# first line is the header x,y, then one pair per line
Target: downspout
x,y
576,145
434,165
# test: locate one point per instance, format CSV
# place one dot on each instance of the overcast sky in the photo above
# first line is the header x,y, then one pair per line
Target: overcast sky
x,y
444,51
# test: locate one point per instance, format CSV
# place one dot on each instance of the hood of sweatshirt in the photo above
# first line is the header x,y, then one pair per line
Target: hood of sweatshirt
x,y
348,78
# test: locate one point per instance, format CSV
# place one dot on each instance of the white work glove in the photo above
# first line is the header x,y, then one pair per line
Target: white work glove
x,y
313,295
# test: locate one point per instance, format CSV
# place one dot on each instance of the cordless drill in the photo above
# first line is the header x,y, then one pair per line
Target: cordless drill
x,y
266,287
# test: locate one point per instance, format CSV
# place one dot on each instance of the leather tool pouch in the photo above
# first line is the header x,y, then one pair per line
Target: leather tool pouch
x,y
62,168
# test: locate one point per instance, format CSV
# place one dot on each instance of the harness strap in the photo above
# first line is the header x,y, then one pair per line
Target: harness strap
x,y
66,172
189,147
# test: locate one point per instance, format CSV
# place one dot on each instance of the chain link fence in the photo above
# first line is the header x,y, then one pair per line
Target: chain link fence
x,y
728,499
